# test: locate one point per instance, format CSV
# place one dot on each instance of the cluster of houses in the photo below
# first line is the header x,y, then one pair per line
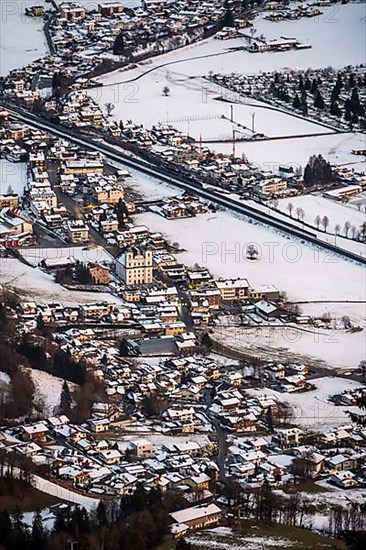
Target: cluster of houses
x,y
83,39
336,457
280,10
152,27
78,109
79,457
187,206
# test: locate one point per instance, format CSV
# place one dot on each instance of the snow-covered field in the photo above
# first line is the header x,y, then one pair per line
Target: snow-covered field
x,y
312,409
314,205
83,253
331,348
14,175
224,538
336,148
33,284
22,38
219,241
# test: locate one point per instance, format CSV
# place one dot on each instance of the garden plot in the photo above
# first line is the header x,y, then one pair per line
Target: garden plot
x,y
313,408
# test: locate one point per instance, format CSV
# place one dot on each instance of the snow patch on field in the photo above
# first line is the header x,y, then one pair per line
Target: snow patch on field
x,y
333,348
22,38
63,493
312,409
314,205
223,538
49,387
13,174
33,284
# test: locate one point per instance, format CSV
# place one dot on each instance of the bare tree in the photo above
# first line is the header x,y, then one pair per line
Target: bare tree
x,y
346,228
109,108
337,229
290,208
317,221
300,214
252,252
325,223
353,231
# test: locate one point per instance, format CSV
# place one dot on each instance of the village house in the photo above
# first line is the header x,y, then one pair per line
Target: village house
x,y
197,516
233,289
99,273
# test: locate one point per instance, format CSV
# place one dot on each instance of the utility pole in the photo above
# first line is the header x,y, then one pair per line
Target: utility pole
x,y
232,113
253,116
233,143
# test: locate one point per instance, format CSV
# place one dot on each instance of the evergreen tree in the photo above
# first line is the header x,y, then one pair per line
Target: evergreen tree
x,y
229,19
347,114
5,525
118,46
101,513
334,109
318,101
314,87
335,94
65,399
38,535
352,81
301,84
296,102
354,101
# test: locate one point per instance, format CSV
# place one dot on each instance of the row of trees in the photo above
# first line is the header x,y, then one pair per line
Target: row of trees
x,y
348,228
17,397
138,522
352,108
79,273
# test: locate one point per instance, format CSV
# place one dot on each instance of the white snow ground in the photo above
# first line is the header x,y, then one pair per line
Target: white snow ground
x,y
312,409
33,284
13,174
22,38
49,388
314,205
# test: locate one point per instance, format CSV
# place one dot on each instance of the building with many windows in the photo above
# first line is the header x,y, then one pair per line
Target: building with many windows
x,y
135,266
